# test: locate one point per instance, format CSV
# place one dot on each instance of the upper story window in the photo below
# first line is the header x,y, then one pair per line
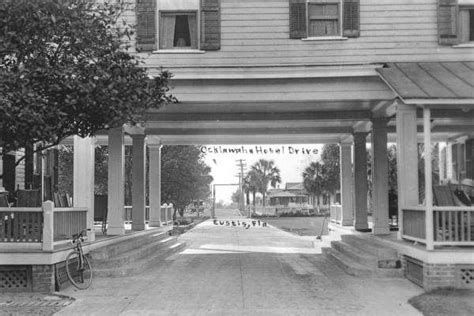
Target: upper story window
x,y
324,18
455,22
178,25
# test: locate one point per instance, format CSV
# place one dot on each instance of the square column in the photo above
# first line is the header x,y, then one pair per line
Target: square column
x,y
138,182
360,181
155,184
380,176
83,179
449,161
407,158
346,184
115,184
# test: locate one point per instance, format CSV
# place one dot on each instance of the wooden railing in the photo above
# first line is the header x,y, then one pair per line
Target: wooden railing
x,y
166,213
21,224
452,225
336,213
68,221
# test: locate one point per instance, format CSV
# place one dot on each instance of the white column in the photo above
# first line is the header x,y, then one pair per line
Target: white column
x,y
442,161
83,194
138,182
155,184
115,185
449,161
428,180
380,176
360,181
346,184
407,158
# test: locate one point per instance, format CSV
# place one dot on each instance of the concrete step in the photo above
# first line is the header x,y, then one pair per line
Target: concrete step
x,y
141,265
371,246
355,254
152,247
347,264
122,245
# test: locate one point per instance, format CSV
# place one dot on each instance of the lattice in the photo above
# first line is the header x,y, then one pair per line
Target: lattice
x,y
467,276
414,271
14,278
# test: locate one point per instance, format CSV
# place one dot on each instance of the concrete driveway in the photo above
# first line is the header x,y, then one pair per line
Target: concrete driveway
x,y
244,270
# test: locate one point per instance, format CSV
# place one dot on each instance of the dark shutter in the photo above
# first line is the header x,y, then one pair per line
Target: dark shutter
x,y
297,18
469,158
146,25
447,22
351,18
210,25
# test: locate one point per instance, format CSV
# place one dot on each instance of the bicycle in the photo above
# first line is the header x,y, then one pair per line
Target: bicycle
x,y
78,268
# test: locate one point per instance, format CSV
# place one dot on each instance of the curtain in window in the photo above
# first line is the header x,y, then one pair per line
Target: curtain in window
x,y
167,25
192,25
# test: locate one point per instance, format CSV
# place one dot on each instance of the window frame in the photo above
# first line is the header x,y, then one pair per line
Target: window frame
x,y
339,35
462,31
175,13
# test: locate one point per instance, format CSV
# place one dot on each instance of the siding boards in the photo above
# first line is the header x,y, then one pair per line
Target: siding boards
x,y
256,32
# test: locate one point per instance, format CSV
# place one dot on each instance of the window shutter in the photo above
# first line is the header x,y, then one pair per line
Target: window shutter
x,y
351,18
297,18
210,25
447,22
146,25
469,158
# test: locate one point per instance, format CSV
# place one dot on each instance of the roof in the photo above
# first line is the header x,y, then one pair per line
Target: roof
x,y
294,186
448,82
285,194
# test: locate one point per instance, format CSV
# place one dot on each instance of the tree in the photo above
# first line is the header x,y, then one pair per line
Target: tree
x,y
314,179
266,173
331,161
236,196
65,71
185,177
250,185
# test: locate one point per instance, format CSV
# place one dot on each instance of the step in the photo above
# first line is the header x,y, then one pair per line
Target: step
x,y
371,246
152,247
141,265
355,254
125,244
349,266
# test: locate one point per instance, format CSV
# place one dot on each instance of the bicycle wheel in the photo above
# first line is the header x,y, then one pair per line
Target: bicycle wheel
x,y
81,278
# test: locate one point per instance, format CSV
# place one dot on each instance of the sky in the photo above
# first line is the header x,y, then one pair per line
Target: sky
x,y
291,159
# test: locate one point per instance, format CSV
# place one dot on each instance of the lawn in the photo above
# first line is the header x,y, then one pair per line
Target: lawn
x,y
445,302
303,226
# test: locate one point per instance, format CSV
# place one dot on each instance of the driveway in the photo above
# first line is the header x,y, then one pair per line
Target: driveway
x,y
236,267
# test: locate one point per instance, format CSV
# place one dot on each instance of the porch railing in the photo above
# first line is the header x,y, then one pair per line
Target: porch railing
x,y
42,226
166,213
452,225
21,224
336,213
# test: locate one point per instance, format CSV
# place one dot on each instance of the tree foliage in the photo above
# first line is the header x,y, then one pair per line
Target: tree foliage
x,y
314,179
185,176
330,158
64,71
250,185
266,173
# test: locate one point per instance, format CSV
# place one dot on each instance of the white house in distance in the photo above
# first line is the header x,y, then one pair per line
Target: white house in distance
x,y
309,71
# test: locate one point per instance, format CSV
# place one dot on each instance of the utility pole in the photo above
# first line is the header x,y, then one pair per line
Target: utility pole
x,y
241,164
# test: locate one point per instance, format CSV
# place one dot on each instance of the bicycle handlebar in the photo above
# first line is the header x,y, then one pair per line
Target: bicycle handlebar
x,y
81,235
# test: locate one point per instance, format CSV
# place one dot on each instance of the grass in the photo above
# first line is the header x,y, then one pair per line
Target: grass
x,y
303,226
445,302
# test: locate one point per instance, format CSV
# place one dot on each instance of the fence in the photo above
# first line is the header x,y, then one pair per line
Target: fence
x,y
165,216
336,213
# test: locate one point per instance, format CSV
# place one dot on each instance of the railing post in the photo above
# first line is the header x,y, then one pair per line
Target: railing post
x,y
48,226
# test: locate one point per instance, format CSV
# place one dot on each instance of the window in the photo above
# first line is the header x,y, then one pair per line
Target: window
x,y
466,24
324,18
178,30
178,25
455,22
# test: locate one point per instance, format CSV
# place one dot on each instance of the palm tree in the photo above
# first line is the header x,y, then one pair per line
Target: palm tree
x,y
266,173
250,185
314,179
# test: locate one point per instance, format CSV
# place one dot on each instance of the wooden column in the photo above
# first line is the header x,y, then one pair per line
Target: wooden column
x,y
84,179
360,181
449,161
346,184
155,184
115,185
138,182
407,158
380,176
428,179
